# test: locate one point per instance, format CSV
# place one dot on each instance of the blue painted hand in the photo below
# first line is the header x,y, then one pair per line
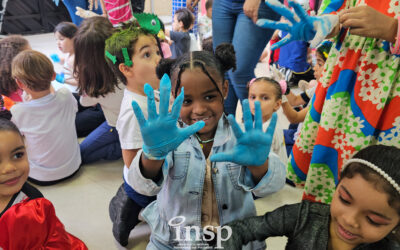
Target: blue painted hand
x,y
60,78
302,27
160,132
252,146
55,58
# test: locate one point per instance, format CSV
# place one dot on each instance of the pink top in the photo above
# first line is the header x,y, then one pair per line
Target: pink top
x,y
16,96
118,11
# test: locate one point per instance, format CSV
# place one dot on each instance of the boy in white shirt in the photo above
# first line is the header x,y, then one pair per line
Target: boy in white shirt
x,y
133,55
47,121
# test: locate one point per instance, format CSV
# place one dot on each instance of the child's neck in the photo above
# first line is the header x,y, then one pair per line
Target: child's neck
x,y
38,94
135,87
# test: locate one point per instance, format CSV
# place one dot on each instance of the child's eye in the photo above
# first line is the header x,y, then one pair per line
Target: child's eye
x,y
265,98
373,222
18,155
158,53
209,97
146,55
252,97
343,200
186,101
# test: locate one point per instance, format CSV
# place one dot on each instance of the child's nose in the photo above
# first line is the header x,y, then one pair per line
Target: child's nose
x,y
351,220
199,109
7,167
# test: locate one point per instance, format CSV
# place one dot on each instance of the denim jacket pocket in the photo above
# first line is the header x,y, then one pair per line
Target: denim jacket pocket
x,y
180,165
234,172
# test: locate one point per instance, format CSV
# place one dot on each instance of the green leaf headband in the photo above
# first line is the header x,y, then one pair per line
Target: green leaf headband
x,y
127,61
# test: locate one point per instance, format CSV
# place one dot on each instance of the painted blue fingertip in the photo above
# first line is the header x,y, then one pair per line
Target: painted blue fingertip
x,y
148,90
165,81
135,105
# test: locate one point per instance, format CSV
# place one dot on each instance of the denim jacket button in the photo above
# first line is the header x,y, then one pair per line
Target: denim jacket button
x,y
215,170
224,206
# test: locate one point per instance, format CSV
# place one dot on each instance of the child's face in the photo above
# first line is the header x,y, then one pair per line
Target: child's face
x,y
145,59
176,25
14,165
319,66
360,213
202,100
264,93
209,12
64,44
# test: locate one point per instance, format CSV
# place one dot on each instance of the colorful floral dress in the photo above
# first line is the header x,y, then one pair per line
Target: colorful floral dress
x,y
356,104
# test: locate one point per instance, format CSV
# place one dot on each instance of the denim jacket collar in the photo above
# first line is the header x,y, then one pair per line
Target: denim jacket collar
x,y
222,135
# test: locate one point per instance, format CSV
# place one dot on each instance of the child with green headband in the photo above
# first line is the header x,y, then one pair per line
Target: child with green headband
x,y
133,54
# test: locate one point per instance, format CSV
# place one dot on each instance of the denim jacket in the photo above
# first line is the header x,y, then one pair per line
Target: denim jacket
x,y
179,192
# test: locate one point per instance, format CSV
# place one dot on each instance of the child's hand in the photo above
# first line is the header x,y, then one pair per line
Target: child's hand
x,y
368,22
60,78
253,146
55,58
301,26
160,132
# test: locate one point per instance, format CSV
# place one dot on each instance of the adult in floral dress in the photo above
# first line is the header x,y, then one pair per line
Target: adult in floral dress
x,y
357,102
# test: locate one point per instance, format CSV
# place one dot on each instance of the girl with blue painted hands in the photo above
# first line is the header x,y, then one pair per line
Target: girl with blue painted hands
x,y
203,168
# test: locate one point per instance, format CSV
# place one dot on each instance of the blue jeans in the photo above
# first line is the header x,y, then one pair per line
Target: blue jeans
x,y
102,143
140,199
231,25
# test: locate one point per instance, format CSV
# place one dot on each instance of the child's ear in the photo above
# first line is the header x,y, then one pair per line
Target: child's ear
x,y
278,104
125,70
20,84
180,24
225,88
54,77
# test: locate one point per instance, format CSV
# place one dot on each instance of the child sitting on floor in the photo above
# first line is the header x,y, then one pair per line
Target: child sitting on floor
x,y
47,121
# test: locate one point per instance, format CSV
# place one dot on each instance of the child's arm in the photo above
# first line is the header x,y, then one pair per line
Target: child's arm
x,y
128,155
70,80
295,100
168,33
160,132
282,221
292,115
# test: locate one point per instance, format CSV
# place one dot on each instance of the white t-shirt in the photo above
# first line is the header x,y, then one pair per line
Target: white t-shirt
x,y
278,142
128,127
48,124
110,103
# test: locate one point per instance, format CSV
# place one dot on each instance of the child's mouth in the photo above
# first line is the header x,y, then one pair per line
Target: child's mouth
x,y
205,119
11,182
343,233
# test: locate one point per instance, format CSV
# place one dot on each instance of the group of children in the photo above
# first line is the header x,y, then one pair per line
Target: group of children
x,y
184,159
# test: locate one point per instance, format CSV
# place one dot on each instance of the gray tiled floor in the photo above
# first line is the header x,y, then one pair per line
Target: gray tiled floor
x,y
82,202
